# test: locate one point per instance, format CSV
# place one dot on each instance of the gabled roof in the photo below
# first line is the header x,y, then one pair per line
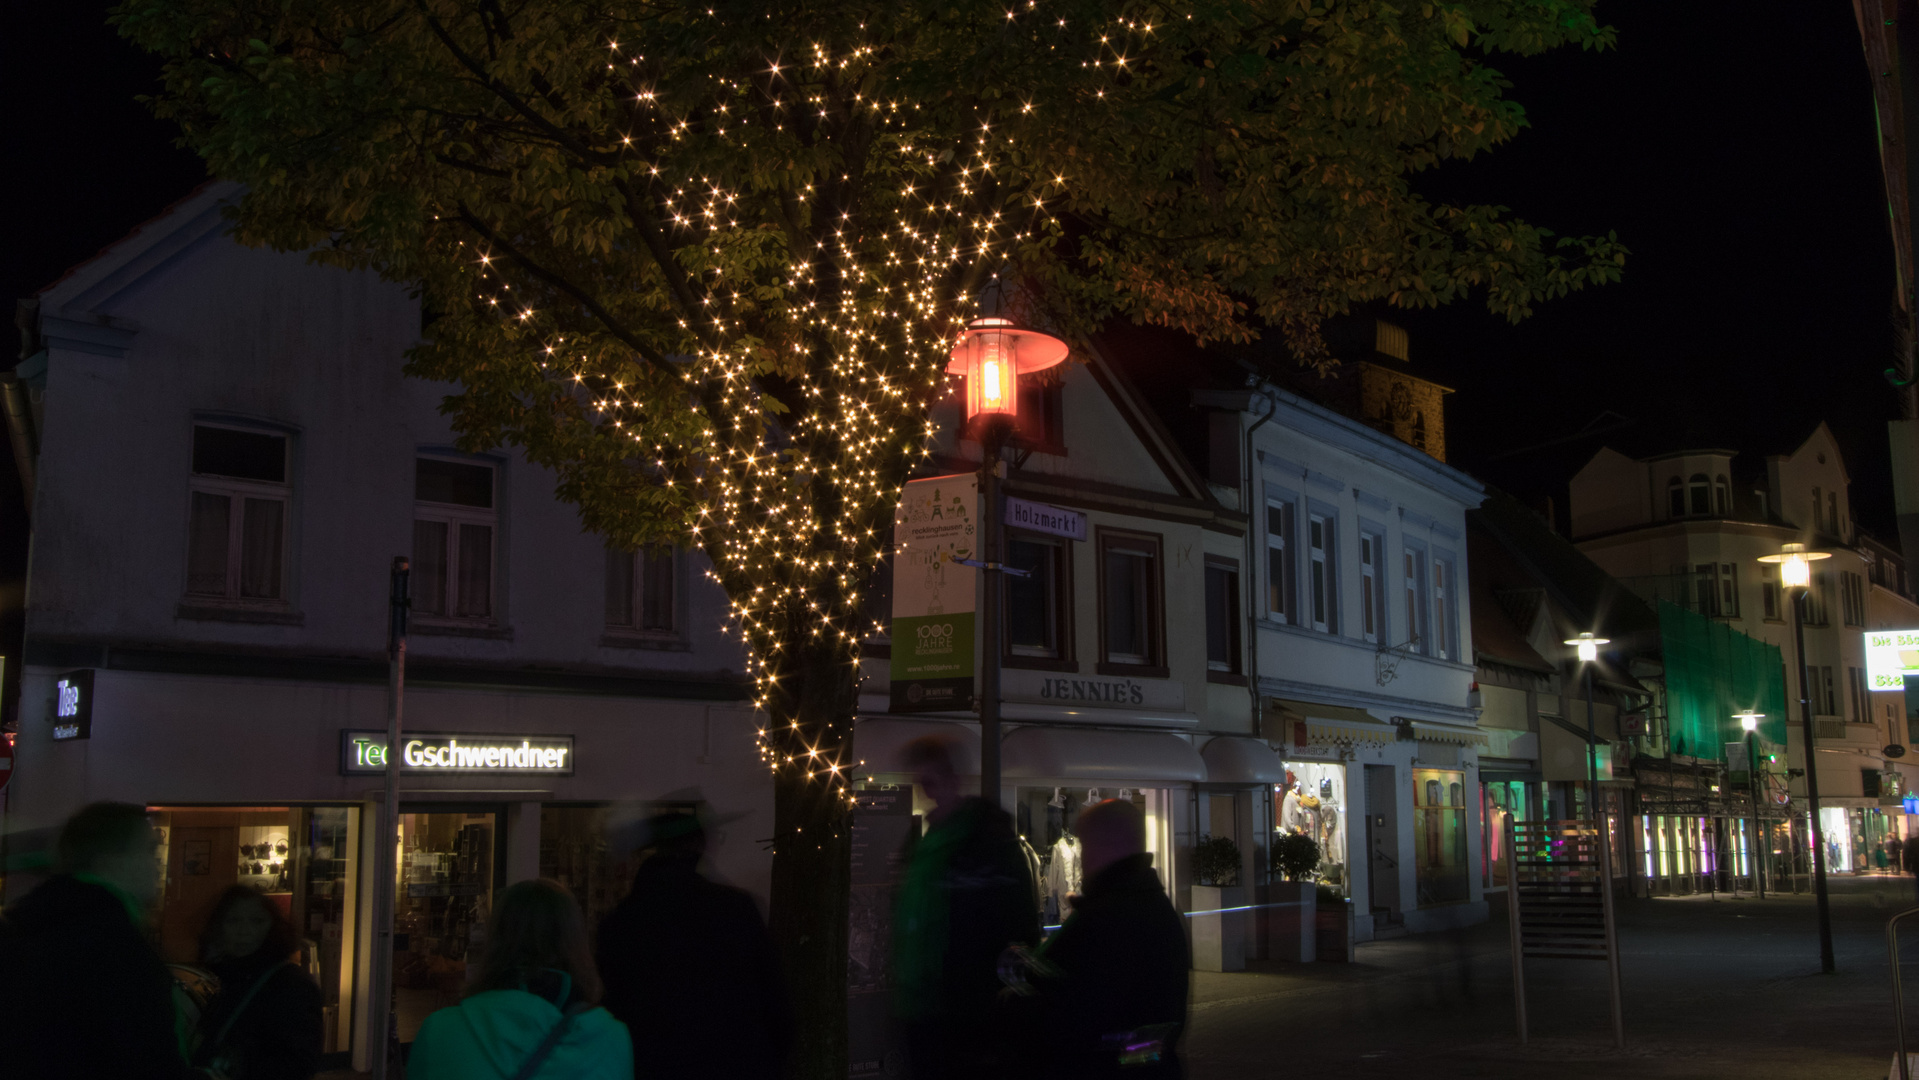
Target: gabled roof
x,y
1572,581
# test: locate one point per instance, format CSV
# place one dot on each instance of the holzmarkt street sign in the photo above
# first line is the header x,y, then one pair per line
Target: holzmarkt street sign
x,y
1045,518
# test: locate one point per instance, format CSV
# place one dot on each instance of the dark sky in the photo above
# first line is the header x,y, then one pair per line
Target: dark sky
x,y
1729,144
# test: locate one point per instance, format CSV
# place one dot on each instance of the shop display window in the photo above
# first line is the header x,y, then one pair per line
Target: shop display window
x,y
1044,817
574,851
1502,802
1836,824
449,867
1312,801
1440,868
306,861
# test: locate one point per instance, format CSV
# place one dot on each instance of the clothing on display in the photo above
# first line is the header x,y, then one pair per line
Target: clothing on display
x,y
1063,874
1311,803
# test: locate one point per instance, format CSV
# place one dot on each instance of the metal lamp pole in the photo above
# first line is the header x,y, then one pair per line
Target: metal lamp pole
x,y
993,430
381,1032
1749,722
1588,645
1812,788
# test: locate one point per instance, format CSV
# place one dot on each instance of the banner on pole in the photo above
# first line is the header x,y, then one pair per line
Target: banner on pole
x,y
933,595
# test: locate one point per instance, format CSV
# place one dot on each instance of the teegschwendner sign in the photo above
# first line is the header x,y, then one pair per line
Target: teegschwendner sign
x,y
439,752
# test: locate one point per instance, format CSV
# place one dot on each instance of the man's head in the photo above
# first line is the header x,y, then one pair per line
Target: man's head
x,y
678,834
1109,831
114,842
930,759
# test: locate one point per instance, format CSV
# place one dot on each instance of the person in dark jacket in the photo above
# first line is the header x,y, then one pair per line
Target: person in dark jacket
x,y
967,896
690,968
83,995
1111,984
266,1021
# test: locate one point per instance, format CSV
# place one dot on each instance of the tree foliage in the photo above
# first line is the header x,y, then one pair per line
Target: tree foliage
x,y
704,260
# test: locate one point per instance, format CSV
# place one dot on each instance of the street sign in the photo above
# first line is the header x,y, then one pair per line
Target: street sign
x,y
1891,655
1045,518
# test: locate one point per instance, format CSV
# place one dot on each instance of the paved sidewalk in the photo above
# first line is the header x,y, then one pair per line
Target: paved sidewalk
x,y
1713,988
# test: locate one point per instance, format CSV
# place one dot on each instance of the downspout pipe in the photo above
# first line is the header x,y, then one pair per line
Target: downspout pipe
x,y
1252,566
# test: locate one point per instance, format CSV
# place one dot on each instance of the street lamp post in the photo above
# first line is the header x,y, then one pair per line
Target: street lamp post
x,y
1588,647
1795,575
992,353
1749,722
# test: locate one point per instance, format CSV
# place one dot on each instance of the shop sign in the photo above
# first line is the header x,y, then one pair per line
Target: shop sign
x,y
1098,692
1045,518
438,752
1891,655
73,706
934,527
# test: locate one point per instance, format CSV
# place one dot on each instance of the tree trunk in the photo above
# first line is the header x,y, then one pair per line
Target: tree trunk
x,y
812,864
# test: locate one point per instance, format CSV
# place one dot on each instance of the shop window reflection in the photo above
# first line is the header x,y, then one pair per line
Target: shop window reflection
x,y
449,869
1044,818
1440,867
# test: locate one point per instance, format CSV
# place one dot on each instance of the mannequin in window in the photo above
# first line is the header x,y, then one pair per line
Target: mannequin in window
x,y
1292,815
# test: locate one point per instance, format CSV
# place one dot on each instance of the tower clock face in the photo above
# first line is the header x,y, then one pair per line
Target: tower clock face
x,y
1399,402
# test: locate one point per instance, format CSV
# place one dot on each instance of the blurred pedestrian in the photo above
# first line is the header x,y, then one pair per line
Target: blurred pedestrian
x,y
1911,853
690,968
266,1021
532,1011
1896,854
966,896
1879,857
83,995
1110,986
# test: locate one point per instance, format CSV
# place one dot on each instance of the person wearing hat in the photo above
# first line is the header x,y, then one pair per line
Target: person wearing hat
x,y
690,968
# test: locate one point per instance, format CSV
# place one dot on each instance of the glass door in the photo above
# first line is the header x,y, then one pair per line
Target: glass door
x,y
450,863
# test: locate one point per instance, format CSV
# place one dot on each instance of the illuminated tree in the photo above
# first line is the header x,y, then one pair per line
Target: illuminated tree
x,y
705,260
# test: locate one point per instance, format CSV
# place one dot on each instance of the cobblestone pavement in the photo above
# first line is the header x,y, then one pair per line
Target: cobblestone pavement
x,y
1714,987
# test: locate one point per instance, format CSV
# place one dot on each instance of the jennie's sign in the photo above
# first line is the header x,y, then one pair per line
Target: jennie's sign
x,y
1099,691
363,752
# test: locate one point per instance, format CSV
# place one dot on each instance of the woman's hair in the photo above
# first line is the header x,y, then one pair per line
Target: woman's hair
x,y
281,940
536,927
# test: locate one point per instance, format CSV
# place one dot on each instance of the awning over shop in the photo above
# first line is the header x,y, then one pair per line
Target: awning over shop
x,y
1324,724
1053,753
877,743
1234,760
1426,731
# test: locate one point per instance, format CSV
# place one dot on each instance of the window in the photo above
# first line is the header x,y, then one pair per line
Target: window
x,y
1832,513
1728,590
1705,592
1130,602
1222,616
1817,610
1441,870
1825,700
1281,588
1861,696
1700,495
453,539
642,590
1769,598
1372,590
1445,610
1675,498
1415,563
1037,605
1852,598
1722,496
1322,582
237,517
1818,510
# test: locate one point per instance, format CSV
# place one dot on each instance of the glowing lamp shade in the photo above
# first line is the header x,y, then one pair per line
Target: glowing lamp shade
x,y
1588,645
993,353
1749,721
1795,564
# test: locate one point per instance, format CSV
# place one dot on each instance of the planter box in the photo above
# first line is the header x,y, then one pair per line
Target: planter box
x,y
1336,933
1219,938
1288,921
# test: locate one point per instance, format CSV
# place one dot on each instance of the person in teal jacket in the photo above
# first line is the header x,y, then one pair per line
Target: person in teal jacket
x,y
533,1010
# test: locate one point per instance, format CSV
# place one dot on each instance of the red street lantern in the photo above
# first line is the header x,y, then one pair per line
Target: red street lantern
x,y
992,353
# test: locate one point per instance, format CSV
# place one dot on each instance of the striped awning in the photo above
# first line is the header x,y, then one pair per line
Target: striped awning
x,y
1427,731
1324,725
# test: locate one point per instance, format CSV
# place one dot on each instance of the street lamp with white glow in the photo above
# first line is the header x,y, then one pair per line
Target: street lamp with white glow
x,y
1795,574
1587,646
1749,723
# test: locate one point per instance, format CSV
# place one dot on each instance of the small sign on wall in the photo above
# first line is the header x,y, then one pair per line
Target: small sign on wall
x,y
73,706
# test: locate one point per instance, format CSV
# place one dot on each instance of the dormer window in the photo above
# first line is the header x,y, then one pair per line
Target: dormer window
x,y
1722,496
1699,492
1675,498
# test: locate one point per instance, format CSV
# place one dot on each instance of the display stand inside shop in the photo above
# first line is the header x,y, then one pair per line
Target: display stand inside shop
x,y
447,879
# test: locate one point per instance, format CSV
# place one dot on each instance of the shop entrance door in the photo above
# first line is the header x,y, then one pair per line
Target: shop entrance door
x,y
1382,838
452,859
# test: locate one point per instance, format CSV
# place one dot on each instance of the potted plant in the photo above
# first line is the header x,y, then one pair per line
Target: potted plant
x,y
1287,919
1335,914
1218,921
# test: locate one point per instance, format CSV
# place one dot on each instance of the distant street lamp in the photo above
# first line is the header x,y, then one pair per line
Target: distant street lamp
x,y
1588,647
1795,573
992,353
1749,722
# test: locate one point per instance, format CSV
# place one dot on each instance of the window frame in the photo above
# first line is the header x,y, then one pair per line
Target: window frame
x,y
237,490
1416,581
1699,495
1372,574
1233,671
1065,660
1675,498
1155,665
454,515
1322,570
1445,604
1287,546
1722,495
631,632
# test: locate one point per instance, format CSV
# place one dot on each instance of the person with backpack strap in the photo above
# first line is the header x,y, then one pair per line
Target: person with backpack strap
x,y
267,1021
532,1012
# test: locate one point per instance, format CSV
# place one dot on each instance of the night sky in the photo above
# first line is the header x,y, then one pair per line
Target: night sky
x,y
1729,144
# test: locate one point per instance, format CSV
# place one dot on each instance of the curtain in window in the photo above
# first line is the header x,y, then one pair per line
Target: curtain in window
x,y
262,547
619,587
1128,595
429,567
207,544
475,598
656,597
